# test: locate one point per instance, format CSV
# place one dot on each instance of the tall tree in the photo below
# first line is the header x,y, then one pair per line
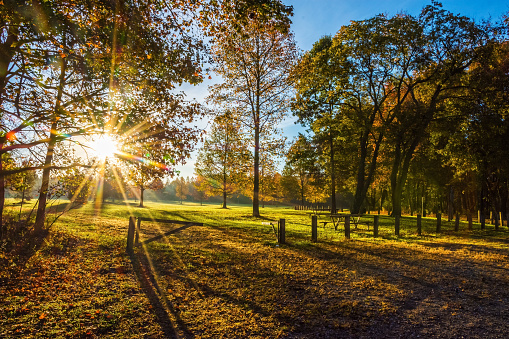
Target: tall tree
x,y
223,159
451,45
254,62
318,80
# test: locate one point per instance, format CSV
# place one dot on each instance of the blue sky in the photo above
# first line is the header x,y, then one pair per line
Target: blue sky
x,y
313,19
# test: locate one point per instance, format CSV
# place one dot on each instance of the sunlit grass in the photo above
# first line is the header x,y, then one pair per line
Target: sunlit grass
x,y
231,278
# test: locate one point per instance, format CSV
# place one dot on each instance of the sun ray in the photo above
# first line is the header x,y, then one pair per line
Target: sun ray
x,y
81,185
99,188
130,157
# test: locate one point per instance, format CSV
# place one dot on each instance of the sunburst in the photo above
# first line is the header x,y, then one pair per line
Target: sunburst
x,y
104,147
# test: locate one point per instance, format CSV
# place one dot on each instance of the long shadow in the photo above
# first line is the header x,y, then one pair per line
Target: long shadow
x,y
156,295
62,207
206,290
157,298
121,203
163,235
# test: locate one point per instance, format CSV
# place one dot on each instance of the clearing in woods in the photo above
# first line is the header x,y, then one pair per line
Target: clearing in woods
x,y
230,278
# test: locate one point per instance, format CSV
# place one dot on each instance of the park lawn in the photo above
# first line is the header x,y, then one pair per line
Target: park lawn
x,y
230,278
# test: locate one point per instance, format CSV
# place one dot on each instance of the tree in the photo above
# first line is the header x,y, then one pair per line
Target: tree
x,y
476,148
147,158
182,188
451,45
76,183
318,79
200,186
301,165
113,184
22,182
254,62
86,49
222,159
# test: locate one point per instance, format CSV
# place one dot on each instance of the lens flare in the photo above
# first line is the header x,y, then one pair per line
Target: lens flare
x,y
104,147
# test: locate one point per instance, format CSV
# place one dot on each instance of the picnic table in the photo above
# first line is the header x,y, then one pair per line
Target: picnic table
x,y
355,219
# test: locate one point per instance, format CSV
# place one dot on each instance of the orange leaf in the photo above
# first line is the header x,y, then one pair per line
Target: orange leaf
x,y
11,136
42,316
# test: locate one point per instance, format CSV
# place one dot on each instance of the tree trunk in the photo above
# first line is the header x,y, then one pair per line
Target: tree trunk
x,y
142,189
400,173
333,174
43,194
302,189
359,196
395,188
224,189
6,55
364,179
256,182
2,194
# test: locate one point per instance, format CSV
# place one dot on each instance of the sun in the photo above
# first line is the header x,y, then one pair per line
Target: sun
x,y
104,147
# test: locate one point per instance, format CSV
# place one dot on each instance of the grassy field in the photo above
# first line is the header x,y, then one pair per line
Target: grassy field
x,y
231,279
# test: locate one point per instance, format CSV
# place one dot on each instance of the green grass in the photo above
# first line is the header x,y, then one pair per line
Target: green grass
x,y
230,278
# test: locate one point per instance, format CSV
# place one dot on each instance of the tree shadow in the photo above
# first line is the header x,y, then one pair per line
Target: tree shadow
x,y
27,244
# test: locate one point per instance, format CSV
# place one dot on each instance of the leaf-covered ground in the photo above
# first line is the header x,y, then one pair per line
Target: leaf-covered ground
x,y
230,279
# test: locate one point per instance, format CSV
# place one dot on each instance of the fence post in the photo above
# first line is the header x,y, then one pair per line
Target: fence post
x,y
501,218
396,225
419,224
137,238
314,228
439,222
282,239
130,234
347,227
457,223
375,225
482,221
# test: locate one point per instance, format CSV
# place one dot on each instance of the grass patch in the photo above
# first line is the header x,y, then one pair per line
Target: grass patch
x,y
230,278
